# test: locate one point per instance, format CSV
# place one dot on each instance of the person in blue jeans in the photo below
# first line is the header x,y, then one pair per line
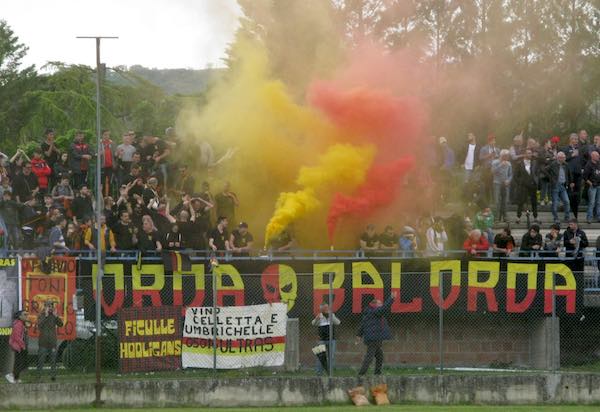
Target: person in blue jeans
x,y
324,321
561,180
373,330
502,176
591,177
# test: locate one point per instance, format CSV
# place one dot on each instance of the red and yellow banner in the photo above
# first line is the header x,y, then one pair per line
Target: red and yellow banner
x,y
58,286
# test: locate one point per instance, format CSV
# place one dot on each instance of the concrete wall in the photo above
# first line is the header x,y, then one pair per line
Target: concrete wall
x,y
271,391
468,340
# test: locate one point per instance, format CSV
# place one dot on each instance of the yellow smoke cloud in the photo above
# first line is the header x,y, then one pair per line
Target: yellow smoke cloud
x,y
341,168
274,136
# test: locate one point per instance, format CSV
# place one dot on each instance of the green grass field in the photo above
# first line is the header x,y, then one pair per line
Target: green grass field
x,y
390,408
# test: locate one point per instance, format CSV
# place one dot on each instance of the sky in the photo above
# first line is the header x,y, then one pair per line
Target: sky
x,y
152,33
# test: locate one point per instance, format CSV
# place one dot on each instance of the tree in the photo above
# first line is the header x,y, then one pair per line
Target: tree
x,y
302,38
14,82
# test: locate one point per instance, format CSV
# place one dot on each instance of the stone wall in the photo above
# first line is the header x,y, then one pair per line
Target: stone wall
x,y
272,391
470,340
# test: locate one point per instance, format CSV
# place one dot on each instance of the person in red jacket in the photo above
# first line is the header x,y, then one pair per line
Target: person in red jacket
x,y
108,162
18,344
476,244
41,169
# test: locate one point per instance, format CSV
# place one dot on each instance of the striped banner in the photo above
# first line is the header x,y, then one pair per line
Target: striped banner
x,y
246,336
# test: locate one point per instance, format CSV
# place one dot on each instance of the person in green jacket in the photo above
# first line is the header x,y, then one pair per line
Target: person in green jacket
x,y
484,221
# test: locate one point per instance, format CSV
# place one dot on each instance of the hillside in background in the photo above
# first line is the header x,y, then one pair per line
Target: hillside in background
x,y
175,81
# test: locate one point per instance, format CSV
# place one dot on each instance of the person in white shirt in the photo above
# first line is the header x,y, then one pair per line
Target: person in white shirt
x,y
436,238
471,157
326,322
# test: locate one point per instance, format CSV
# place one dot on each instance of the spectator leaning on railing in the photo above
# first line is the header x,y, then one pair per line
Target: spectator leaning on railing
x,y
531,243
553,241
575,240
476,244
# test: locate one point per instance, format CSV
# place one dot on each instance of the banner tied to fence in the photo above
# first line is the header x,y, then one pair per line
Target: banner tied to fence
x,y
246,336
150,339
57,286
489,286
9,293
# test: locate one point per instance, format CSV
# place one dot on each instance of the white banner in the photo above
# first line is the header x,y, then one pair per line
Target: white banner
x,y
247,336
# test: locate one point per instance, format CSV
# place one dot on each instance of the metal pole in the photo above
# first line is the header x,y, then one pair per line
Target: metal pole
x,y
441,324
99,263
552,328
331,337
100,271
214,293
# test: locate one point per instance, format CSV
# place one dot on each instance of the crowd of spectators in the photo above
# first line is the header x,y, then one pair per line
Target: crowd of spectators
x,y
149,202
527,174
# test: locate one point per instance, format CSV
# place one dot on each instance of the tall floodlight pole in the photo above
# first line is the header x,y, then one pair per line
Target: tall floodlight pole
x,y
100,263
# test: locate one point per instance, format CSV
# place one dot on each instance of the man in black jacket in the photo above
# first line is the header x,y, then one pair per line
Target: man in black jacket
x,y
25,185
574,156
575,240
373,330
526,181
469,156
561,181
47,323
591,177
83,205
531,242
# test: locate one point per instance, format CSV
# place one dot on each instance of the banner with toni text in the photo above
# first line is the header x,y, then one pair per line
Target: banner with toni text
x,y
246,336
150,339
57,286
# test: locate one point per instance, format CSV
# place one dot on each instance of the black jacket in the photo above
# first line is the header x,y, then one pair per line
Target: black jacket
x,y
527,243
591,172
373,325
525,180
553,173
462,155
570,248
575,162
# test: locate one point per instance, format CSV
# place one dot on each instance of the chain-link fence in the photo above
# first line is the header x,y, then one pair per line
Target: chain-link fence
x,y
172,316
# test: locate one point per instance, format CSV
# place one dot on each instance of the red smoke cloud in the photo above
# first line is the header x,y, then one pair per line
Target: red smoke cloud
x,y
376,99
370,116
378,190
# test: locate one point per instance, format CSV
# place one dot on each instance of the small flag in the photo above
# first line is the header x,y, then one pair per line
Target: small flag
x,y
176,261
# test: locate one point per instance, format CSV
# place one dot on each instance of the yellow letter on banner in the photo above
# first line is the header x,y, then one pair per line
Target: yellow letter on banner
x,y
568,290
475,287
437,267
237,284
359,289
321,285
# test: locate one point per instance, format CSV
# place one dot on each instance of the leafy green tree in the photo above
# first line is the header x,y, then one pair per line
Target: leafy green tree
x,y
15,80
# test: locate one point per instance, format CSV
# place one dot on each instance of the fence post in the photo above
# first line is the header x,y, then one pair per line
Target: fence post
x,y
214,307
331,337
441,323
553,327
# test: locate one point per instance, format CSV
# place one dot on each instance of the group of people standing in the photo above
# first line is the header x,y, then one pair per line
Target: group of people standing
x,y
533,174
47,323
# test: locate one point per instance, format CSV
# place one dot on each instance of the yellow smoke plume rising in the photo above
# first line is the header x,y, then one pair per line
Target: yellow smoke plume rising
x,y
274,136
341,168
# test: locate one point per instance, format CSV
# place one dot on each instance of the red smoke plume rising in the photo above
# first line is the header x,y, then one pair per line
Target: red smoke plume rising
x,y
378,190
375,99
368,115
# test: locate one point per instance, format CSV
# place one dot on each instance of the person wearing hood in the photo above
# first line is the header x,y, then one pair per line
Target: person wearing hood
x,y
373,330
408,242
